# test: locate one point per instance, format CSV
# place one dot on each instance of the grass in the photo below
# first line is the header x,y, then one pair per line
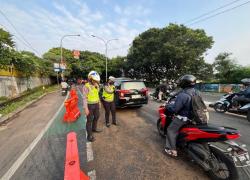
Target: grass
x,y
32,95
3,99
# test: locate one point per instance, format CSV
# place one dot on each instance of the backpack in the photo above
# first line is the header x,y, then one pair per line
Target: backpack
x,y
199,109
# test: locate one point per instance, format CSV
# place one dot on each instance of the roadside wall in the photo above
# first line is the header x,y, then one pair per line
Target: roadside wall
x,y
13,86
225,88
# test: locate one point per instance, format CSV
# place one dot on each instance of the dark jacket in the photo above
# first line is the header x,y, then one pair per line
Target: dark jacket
x,y
183,103
245,93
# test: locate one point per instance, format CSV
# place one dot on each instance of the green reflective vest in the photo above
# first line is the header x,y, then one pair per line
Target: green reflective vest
x,y
93,94
109,97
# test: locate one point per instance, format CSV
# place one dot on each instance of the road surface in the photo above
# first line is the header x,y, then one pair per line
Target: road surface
x,y
132,150
46,159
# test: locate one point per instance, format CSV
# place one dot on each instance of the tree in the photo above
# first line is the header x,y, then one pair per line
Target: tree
x,y
238,73
168,53
78,67
224,65
116,66
54,56
6,45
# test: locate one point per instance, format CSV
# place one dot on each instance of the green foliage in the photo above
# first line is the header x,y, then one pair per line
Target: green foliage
x,y
5,39
116,66
78,67
169,53
6,45
227,70
224,65
26,62
237,74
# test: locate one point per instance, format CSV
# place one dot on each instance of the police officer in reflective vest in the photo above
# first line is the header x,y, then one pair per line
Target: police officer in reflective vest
x,y
108,101
91,102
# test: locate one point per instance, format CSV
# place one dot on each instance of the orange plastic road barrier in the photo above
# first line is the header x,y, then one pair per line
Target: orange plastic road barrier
x,y
72,169
73,93
74,104
72,110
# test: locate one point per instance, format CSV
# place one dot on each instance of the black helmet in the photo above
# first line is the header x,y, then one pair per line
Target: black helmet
x,y
187,81
246,81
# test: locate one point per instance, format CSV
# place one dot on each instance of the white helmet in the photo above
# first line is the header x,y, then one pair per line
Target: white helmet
x,y
112,78
94,76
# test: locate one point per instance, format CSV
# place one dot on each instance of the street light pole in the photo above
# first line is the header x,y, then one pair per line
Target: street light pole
x,y
106,51
67,35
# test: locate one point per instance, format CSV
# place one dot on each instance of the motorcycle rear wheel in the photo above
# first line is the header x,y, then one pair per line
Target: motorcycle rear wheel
x,y
220,108
227,169
160,129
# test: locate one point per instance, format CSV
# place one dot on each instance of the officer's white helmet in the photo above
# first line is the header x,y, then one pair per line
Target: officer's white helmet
x,y
93,75
112,78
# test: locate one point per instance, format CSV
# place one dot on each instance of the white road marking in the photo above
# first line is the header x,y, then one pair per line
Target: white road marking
x,y
28,150
92,175
90,154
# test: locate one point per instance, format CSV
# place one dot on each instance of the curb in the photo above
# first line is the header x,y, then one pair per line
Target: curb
x,y
4,119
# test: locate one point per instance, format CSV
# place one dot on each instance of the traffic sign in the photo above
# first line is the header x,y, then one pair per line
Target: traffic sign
x,y
56,67
76,54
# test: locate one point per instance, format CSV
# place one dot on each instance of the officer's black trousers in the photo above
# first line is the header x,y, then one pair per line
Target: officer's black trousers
x,y
92,118
109,106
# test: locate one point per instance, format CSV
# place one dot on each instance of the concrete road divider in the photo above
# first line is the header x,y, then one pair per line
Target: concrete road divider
x,y
72,163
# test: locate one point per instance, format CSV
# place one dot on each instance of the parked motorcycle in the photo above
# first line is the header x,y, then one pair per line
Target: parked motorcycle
x,y
225,104
209,146
64,91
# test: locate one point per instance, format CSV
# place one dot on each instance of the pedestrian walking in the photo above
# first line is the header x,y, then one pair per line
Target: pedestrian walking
x,y
108,101
91,103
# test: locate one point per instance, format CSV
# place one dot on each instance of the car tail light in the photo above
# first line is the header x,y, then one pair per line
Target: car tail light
x,y
123,92
145,91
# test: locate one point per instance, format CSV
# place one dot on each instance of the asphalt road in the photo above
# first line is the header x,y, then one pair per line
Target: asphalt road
x,y
47,159
134,150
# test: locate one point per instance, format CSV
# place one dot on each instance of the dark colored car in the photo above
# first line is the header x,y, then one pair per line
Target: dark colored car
x,y
130,92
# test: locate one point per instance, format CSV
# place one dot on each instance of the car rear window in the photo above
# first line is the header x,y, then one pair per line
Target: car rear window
x,y
133,85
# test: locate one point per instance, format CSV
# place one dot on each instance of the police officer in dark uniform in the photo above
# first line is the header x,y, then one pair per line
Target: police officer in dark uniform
x,y
183,110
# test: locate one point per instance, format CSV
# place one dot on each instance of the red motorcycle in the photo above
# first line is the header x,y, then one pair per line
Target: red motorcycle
x,y
209,146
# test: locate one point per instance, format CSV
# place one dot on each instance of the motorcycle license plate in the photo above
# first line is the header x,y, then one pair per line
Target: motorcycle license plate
x,y
136,96
241,160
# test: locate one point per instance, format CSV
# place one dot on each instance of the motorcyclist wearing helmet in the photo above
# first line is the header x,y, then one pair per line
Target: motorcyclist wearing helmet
x,y
161,89
91,102
182,108
108,100
244,95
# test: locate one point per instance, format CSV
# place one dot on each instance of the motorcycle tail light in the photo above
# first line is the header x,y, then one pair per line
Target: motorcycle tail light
x,y
232,136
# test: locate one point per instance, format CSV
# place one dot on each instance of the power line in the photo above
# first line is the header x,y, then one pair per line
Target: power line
x,y
15,36
227,10
30,46
209,12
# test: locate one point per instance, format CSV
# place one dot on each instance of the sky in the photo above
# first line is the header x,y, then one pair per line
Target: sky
x,y
43,23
